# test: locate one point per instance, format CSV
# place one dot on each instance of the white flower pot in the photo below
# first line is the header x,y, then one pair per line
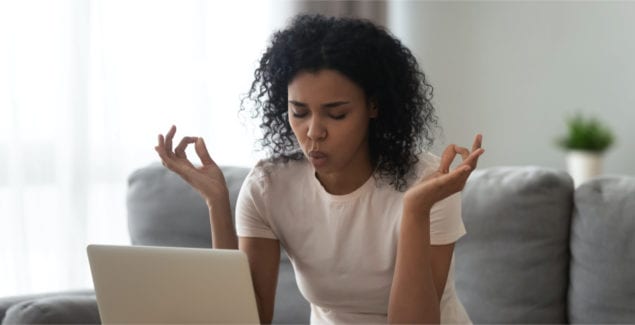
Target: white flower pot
x,y
583,165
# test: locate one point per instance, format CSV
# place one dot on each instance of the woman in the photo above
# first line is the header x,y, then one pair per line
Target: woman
x,y
367,217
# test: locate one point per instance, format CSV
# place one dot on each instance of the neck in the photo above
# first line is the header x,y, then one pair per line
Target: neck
x,y
349,179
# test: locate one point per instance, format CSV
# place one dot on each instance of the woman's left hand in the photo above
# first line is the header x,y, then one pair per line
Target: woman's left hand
x,y
442,183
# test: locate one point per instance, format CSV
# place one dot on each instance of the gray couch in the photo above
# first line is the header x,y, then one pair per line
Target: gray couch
x,y
537,251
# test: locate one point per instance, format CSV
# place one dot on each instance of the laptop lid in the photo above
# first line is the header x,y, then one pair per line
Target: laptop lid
x,y
143,284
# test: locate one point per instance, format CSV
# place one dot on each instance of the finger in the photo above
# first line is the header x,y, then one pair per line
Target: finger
x,y
462,151
459,177
455,180
472,160
160,146
201,151
160,149
478,141
446,158
449,154
168,139
179,151
161,142
456,173
465,174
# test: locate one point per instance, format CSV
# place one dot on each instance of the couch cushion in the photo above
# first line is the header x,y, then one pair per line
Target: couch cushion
x,y
602,284
512,265
7,302
163,210
62,309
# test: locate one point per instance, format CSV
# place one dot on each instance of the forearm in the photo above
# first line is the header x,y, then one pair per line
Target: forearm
x,y
413,297
223,232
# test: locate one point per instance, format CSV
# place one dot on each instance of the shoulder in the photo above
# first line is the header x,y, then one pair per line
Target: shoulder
x,y
428,163
270,180
269,172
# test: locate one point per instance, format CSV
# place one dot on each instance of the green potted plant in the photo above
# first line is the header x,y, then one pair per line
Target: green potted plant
x,y
585,142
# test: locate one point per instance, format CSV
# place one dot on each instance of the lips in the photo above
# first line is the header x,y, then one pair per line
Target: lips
x,y
317,154
317,158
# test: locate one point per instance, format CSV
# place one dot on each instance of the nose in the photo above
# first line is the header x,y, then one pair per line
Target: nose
x,y
316,130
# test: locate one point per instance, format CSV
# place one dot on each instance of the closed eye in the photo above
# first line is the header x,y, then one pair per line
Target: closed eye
x,y
338,117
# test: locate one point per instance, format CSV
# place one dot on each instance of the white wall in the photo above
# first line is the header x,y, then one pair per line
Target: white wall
x,y
513,71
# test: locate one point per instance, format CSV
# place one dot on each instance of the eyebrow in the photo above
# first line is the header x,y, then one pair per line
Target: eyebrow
x,y
327,105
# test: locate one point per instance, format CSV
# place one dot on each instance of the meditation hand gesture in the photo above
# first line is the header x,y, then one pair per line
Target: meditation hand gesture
x,y
442,183
207,179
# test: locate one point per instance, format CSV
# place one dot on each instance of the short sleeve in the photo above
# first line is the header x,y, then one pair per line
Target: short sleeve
x,y
251,212
446,223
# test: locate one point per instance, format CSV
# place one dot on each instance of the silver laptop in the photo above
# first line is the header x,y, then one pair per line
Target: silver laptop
x,y
142,284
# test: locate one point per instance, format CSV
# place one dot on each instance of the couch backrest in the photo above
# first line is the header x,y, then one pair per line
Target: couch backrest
x,y
602,275
163,210
512,265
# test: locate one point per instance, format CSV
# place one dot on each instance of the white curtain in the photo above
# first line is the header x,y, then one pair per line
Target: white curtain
x,y
85,87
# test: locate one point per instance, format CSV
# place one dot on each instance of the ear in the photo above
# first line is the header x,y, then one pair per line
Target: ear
x,y
374,111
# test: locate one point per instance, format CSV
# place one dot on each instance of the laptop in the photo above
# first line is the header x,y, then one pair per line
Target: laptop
x,y
143,284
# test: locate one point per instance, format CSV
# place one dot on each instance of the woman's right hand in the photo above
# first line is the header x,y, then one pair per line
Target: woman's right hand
x,y
207,179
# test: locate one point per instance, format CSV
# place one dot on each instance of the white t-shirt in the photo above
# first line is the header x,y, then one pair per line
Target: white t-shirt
x,y
342,247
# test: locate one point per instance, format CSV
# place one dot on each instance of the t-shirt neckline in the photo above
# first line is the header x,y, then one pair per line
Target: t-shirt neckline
x,y
339,198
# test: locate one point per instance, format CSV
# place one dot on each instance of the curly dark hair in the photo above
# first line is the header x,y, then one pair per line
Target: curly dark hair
x,y
373,59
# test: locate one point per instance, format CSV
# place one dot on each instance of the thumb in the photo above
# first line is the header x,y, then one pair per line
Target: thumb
x,y
202,153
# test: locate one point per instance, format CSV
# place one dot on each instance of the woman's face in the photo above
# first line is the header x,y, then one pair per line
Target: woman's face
x,y
329,116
